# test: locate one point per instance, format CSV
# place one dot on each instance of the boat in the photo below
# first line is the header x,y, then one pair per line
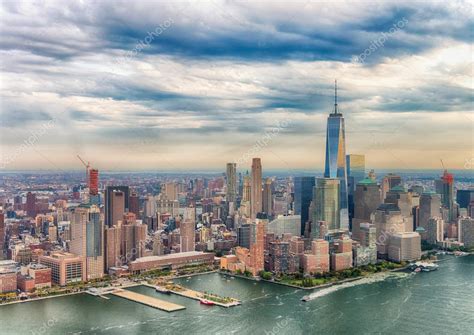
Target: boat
x,y
460,253
424,266
305,298
162,290
206,302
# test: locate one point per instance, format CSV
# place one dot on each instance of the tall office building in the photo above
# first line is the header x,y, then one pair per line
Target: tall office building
x,y
247,189
243,235
367,198
447,195
464,197
326,204
112,242
2,234
430,204
87,239
117,207
257,248
355,172
187,235
335,166
435,230
171,190
93,181
466,231
388,220
31,204
133,238
134,204
110,208
388,182
267,197
231,182
303,196
256,188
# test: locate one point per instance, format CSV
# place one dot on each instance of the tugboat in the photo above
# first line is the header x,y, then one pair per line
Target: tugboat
x,y
206,302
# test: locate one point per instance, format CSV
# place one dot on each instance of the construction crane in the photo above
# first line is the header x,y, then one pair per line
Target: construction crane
x,y
442,164
88,165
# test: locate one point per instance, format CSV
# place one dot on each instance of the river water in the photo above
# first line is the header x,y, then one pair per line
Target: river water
x,y
439,302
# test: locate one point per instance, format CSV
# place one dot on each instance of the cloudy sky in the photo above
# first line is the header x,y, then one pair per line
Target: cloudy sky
x,y
192,85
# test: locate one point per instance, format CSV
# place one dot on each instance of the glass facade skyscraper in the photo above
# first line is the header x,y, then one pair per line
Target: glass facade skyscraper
x,y
335,166
303,196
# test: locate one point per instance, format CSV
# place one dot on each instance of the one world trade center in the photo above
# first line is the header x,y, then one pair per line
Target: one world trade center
x,y
336,158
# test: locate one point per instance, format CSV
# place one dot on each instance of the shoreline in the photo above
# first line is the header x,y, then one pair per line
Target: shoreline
x,y
40,298
346,280
255,279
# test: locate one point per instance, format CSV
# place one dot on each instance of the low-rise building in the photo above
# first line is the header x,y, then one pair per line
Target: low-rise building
x,y
65,267
171,261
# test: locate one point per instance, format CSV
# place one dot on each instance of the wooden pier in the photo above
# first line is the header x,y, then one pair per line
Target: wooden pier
x,y
148,301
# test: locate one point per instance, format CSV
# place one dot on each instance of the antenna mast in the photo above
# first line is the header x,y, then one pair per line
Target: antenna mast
x,y
335,96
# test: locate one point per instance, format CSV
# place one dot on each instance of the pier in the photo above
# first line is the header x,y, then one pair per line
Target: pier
x,y
149,301
196,295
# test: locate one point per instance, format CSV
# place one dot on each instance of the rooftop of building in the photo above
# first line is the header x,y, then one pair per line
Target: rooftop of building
x,y
170,256
388,208
367,181
406,234
398,188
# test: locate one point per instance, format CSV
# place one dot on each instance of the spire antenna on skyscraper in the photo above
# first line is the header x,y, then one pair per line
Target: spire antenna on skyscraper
x,y
335,96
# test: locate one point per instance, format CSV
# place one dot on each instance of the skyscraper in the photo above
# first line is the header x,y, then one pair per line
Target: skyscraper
x,y
187,234
390,181
231,182
303,196
256,188
93,181
31,204
2,233
367,198
108,202
134,204
430,204
257,249
87,239
326,204
335,166
355,173
447,195
464,198
117,206
267,197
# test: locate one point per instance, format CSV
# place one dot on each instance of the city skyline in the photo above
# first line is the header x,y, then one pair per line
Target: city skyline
x,y
162,90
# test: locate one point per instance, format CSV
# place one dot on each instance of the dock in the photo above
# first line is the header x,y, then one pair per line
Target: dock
x,y
148,301
196,295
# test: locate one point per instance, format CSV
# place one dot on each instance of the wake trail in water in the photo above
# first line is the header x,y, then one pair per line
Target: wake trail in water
x,y
363,281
